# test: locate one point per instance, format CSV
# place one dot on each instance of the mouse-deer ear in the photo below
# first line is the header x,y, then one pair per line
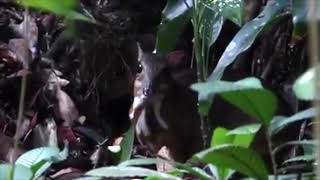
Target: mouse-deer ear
x,y
177,58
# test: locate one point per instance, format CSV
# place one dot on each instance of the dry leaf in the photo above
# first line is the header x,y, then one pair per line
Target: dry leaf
x,y
20,73
52,77
66,174
163,166
20,48
24,128
45,134
31,34
6,149
65,109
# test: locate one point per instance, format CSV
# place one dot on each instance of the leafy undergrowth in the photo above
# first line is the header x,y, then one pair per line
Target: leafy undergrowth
x,y
68,84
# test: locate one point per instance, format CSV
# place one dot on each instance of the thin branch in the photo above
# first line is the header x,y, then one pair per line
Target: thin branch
x,y
22,92
272,157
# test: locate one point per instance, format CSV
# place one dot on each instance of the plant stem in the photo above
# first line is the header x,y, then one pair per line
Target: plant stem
x,y
272,157
22,95
200,67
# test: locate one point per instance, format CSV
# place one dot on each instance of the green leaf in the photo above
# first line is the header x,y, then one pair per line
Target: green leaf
x,y
195,171
299,18
202,174
208,89
89,178
304,87
280,122
231,9
247,94
153,178
210,26
177,172
175,16
304,143
36,155
127,145
246,36
140,162
20,172
244,135
241,159
221,173
220,136
241,136
118,172
74,15
258,103
40,159
245,130
59,7
303,176
307,158
40,167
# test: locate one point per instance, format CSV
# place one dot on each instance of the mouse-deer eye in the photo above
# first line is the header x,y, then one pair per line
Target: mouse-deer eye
x,y
139,68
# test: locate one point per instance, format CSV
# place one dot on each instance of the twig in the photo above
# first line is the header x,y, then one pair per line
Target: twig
x,y
22,92
272,156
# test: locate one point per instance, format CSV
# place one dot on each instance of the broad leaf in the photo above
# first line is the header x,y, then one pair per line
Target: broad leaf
x,y
304,87
241,136
304,143
127,145
139,162
202,174
40,159
89,178
303,176
153,178
231,9
34,156
220,136
118,172
245,130
307,158
175,16
258,103
244,135
247,94
241,159
299,18
221,173
210,26
195,171
59,7
246,36
208,89
20,172
280,122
